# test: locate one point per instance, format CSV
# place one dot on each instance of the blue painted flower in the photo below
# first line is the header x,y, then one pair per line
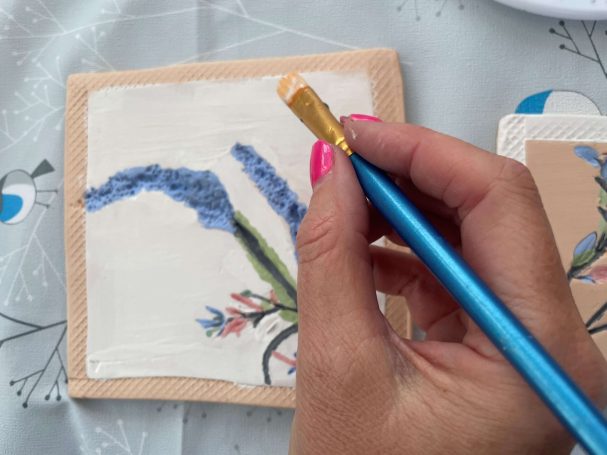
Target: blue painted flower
x,y
216,324
586,244
604,170
198,190
588,154
275,189
586,279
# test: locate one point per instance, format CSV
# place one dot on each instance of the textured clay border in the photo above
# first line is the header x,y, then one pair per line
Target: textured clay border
x,y
382,67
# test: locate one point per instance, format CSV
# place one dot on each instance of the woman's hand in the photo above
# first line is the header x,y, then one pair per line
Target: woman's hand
x,y
363,389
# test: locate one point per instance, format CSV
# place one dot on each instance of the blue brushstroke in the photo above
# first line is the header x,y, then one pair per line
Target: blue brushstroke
x,y
275,189
217,323
198,190
533,104
588,154
586,279
586,244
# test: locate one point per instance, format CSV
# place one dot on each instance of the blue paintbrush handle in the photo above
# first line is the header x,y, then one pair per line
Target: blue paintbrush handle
x,y
515,342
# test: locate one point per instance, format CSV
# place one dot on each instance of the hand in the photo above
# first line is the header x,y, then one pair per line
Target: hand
x,y
363,389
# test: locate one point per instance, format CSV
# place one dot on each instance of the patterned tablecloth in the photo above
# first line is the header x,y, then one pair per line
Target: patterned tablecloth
x,y
466,63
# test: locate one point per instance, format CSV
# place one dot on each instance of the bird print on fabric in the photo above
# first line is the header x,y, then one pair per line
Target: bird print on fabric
x,y
19,193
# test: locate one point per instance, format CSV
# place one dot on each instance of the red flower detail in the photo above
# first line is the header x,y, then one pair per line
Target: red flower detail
x,y
283,358
273,297
599,273
233,311
246,301
235,325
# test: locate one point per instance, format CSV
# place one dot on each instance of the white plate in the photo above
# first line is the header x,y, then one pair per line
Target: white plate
x,y
564,9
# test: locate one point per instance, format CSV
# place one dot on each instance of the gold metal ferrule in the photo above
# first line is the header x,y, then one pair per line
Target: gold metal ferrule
x,y
315,114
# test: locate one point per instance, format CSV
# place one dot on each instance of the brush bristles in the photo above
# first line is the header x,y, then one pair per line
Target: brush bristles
x,y
289,85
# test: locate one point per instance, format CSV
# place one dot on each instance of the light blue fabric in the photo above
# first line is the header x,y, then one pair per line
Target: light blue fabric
x,y
466,63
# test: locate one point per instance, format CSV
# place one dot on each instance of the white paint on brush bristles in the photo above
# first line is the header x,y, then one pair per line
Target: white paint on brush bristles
x,y
290,85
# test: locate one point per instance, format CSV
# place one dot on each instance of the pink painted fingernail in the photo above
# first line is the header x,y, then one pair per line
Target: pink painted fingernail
x,y
321,161
363,118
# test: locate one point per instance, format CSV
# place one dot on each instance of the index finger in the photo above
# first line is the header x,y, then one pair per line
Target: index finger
x,y
440,166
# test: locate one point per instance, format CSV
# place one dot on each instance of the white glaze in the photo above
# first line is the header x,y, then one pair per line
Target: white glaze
x,y
151,268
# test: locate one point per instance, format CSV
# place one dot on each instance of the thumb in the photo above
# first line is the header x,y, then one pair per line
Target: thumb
x,y
336,293
345,359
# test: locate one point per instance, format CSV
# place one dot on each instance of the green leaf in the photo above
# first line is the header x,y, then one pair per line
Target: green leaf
x,y
582,259
289,316
265,306
209,333
266,253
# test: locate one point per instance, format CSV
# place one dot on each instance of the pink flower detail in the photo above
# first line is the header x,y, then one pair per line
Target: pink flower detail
x,y
233,311
246,301
273,297
599,273
283,358
235,326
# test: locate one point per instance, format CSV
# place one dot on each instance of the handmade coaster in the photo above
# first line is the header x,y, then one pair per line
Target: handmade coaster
x,y
572,181
184,188
515,129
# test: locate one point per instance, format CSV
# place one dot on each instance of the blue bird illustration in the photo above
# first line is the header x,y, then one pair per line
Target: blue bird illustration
x,y
18,193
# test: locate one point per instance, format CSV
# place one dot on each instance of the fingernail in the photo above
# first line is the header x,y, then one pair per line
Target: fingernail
x,y
321,161
363,118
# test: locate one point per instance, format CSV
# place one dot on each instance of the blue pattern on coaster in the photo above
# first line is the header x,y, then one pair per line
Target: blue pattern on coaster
x,y
198,190
275,189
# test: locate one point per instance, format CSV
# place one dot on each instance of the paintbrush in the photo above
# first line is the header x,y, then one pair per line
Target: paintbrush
x,y
515,342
